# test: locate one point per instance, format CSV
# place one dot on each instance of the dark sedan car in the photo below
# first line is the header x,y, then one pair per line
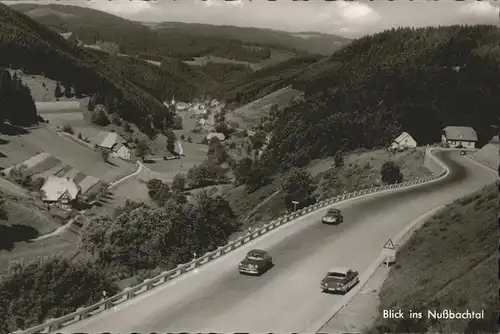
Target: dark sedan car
x,y
339,279
256,262
333,216
463,153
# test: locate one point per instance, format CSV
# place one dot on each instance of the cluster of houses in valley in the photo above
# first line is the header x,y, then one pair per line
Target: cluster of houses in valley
x,y
62,192
204,112
451,136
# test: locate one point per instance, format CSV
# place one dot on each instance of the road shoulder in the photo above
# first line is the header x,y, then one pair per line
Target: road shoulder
x,y
362,310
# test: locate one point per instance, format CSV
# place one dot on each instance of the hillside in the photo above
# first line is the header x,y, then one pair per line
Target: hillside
x,y
173,40
450,263
301,42
29,46
489,154
245,89
414,80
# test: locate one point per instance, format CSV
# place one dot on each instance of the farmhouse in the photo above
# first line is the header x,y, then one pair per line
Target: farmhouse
x,y
60,191
459,137
113,143
71,38
121,151
219,135
403,141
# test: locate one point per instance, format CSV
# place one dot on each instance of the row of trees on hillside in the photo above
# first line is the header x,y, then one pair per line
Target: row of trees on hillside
x,y
147,237
299,185
32,293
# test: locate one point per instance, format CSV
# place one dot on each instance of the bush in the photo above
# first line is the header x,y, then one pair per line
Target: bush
x,y
158,191
68,129
179,182
57,287
298,185
145,238
99,117
19,175
391,173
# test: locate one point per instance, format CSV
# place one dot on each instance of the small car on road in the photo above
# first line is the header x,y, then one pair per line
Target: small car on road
x,y
462,153
256,262
333,216
339,280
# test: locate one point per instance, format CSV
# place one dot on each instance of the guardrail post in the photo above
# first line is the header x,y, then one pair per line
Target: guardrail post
x,y
80,316
165,276
129,293
108,305
149,285
54,326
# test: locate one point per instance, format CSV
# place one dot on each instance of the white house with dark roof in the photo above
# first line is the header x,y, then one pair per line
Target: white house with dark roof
x,y
60,190
113,143
459,137
121,151
403,141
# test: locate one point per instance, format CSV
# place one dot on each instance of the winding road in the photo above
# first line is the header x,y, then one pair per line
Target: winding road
x,y
287,298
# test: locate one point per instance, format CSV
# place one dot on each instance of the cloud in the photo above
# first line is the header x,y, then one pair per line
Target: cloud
x,y
356,12
222,3
346,17
480,8
121,7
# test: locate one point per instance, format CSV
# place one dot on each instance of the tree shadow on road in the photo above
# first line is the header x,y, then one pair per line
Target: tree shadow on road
x,y
12,130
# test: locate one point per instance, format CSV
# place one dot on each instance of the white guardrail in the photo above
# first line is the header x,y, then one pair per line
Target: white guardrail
x,y
52,325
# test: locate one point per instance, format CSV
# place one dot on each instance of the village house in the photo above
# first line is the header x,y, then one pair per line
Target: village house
x,y
71,38
459,137
403,141
60,191
219,135
112,143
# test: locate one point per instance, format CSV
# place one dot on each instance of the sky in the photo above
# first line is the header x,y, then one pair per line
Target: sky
x,y
349,19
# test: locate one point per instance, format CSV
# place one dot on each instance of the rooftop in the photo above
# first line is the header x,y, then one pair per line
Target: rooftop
x,y
460,133
55,187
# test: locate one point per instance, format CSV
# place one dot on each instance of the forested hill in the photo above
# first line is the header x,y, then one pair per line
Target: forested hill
x,y
414,80
177,40
302,42
28,45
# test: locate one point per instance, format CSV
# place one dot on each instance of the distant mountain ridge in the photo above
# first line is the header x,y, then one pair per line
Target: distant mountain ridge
x,y
316,42
159,38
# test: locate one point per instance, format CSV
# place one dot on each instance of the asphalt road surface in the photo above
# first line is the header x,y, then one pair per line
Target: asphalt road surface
x,y
288,297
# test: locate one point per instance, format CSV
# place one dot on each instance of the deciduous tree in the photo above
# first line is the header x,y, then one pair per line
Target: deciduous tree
x,y
391,173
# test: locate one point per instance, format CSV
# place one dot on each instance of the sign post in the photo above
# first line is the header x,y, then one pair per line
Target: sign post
x,y
295,205
390,253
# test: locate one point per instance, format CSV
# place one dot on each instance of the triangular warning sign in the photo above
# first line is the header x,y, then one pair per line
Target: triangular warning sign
x,y
389,244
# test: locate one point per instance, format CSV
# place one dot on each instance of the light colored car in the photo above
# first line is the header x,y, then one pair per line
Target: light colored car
x,y
256,262
339,280
333,216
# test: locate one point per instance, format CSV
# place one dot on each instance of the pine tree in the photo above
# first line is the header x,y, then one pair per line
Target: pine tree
x,y
58,92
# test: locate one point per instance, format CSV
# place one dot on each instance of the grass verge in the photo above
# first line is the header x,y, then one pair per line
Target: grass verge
x,y
450,263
